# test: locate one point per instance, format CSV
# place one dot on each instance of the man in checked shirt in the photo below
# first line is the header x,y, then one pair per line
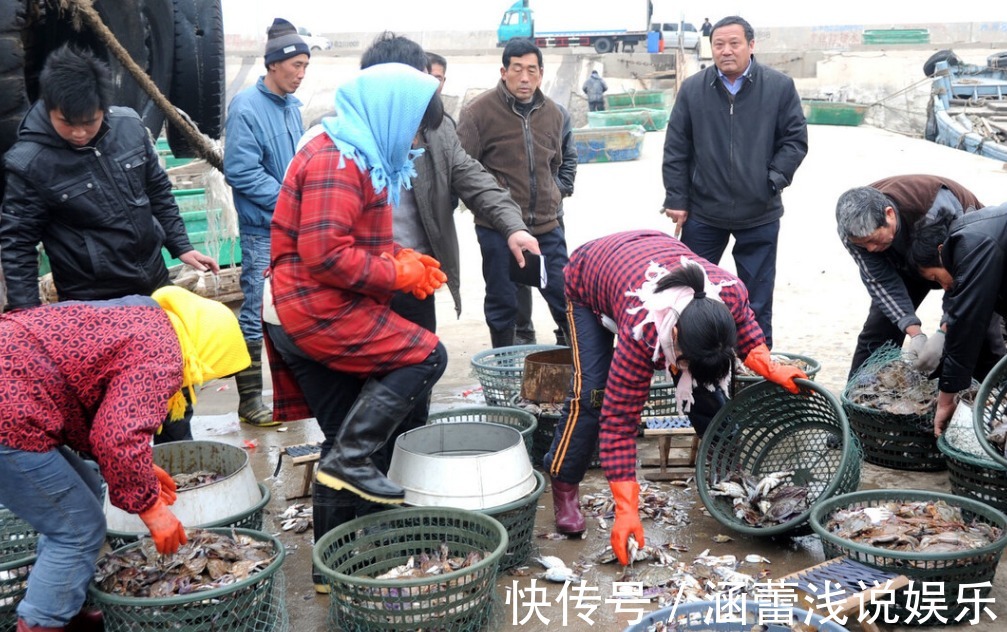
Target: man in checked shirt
x,y
662,301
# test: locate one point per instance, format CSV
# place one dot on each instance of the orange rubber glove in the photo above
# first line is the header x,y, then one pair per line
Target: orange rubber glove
x,y
762,363
433,278
165,529
627,518
166,486
409,270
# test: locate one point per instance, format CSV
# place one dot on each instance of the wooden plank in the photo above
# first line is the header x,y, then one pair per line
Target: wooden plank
x,y
671,474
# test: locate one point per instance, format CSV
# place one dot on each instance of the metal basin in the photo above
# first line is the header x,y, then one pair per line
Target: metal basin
x,y
462,465
233,494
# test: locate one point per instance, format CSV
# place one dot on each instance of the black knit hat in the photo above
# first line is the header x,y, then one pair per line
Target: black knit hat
x,y
283,42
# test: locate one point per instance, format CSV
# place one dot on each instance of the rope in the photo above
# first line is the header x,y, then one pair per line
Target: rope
x,y
82,13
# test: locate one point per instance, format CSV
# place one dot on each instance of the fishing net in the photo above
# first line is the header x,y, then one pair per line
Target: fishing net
x,y
948,570
253,604
803,439
890,406
354,554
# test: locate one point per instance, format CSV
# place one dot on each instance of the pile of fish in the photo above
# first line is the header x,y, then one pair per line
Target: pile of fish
x,y
706,578
741,370
998,433
762,502
912,526
430,564
550,409
893,387
208,561
296,518
669,509
190,480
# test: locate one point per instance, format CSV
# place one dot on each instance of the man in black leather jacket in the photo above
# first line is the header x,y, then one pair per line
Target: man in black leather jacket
x,y
84,180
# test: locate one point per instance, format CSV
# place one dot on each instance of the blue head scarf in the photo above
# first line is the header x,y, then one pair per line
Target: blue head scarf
x,y
378,115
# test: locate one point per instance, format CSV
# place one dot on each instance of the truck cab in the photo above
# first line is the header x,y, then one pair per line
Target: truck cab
x,y
517,22
677,34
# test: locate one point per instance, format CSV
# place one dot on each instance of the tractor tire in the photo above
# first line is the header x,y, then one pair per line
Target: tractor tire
x,y
942,55
14,100
198,80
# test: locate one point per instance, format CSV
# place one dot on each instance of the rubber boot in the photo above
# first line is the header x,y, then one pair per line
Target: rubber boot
x,y
370,423
329,509
87,621
24,627
524,330
566,506
502,338
251,410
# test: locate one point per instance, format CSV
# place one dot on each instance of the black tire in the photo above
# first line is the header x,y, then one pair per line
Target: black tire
x,y
603,45
157,18
13,87
942,55
197,83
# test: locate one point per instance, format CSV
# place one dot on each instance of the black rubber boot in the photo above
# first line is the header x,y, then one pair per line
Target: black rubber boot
x,y
370,423
329,509
251,410
502,338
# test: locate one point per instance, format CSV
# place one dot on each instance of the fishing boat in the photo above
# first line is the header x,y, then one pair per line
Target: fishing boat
x,y
968,106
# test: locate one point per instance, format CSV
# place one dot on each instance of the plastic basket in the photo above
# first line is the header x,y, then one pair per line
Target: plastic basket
x,y
518,518
249,519
767,429
253,604
17,538
501,370
733,616
991,403
741,381
13,584
521,420
974,476
948,570
900,442
354,553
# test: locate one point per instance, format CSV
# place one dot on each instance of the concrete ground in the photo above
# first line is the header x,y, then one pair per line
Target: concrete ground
x,y
820,305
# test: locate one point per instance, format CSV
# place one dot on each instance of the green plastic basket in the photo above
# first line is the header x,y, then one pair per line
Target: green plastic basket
x,y
254,604
501,370
991,404
248,519
17,538
975,477
949,570
900,442
740,381
767,429
354,553
13,585
518,518
521,420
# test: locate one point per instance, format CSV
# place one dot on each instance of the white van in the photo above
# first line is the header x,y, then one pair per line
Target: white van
x,y
688,35
314,42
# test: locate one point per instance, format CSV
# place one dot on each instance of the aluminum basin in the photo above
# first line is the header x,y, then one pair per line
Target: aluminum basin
x,y
463,465
236,492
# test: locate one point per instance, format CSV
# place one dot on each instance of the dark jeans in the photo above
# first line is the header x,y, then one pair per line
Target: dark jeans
x,y
754,257
595,106
500,305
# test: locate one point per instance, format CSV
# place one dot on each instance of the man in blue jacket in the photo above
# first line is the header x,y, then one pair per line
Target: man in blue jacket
x,y
263,127
735,139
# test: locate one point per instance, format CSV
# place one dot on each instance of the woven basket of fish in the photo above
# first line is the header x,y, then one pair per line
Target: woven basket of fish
x,y
248,519
970,469
770,455
945,540
990,415
743,377
518,518
729,615
424,568
17,555
221,580
891,406
501,370
521,420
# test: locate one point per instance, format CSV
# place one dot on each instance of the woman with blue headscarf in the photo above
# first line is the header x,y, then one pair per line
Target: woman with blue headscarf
x,y
337,351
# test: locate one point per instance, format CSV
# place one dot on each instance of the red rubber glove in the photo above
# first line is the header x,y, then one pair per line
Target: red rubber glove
x,y
409,270
165,529
762,363
166,486
433,278
627,518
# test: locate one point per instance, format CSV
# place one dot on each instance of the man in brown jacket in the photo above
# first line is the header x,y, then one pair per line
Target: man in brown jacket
x,y
877,224
499,128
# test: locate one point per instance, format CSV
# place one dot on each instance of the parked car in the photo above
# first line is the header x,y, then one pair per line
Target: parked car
x,y
689,35
314,42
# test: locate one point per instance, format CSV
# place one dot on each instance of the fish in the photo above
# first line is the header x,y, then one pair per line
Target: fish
x,y
550,561
561,575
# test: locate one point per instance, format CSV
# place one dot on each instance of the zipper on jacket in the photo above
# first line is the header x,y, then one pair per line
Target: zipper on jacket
x,y
529,148
122,201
